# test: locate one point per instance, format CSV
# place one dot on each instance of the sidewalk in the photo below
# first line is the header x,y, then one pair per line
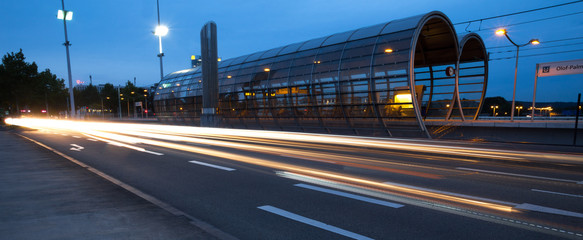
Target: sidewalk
x,y
44,196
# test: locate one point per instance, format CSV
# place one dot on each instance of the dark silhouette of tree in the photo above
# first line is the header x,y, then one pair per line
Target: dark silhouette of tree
x,y
23,87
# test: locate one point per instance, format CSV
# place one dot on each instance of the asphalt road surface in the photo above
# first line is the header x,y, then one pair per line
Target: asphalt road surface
x,y
274,185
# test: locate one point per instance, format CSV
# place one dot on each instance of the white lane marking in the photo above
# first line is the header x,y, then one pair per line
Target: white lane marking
x,y
557,193
349,195
91,139
212,165
520,175
64,134
311,222
452,194
537,208
75,147
76,137
125,145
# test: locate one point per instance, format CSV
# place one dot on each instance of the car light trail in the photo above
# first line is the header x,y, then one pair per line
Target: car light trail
x,y
102,131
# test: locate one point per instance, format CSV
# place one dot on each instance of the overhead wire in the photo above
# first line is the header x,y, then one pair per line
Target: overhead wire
x,y
521,12
533,55
537,48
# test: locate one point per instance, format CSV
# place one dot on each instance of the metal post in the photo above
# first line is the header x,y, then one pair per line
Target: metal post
x,y
534,94
146,107
67,44
102,114
118,102
576,119
161,54
514,90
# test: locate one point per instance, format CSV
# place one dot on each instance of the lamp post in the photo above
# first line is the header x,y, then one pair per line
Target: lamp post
x,y
119,102
494,110
160,31
519,108
501,32
67,16
146,100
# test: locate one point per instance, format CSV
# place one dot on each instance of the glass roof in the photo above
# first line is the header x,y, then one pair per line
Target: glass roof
x,y
367,32
337,38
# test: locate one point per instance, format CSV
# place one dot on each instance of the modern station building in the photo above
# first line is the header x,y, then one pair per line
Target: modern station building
x,y
382,80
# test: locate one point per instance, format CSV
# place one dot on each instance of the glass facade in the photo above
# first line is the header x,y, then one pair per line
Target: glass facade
x,y
382,80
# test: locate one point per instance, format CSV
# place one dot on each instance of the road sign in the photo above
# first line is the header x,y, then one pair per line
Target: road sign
x,y
560,68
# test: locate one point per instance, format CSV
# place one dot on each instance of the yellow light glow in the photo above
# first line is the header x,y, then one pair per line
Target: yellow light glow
x,y
229,76
534,42
219,59
501,32
404,98
192,57
266,69
388,50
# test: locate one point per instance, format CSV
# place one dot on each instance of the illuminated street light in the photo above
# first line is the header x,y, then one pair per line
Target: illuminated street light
x,y
501,32
518,108
68,16
494,110
388,50
160,31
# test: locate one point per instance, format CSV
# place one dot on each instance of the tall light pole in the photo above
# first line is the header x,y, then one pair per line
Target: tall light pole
x,y
160,31
501,32
67,16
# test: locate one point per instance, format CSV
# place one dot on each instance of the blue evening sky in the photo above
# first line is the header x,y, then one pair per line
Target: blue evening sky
x,y
112,40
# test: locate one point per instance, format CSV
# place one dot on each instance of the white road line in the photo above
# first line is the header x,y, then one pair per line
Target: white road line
x,y
557,193
349,195
212,165
76,137
537,208
311,222
91,139
64,134
520,175
75,147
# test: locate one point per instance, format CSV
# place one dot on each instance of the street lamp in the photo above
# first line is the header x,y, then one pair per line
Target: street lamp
x,y
494,110
146,100
501,32
519,108
160,31
68,16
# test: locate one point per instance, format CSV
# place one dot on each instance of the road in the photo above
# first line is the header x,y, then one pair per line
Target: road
x,y
276,185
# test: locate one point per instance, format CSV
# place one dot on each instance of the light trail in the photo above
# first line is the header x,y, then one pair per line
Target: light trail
x,y
97,131
369,142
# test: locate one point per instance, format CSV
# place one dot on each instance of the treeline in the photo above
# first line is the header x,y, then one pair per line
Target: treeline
x,y
25,90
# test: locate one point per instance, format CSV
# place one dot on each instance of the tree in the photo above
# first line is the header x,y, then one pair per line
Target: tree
x,y
109,96
23,87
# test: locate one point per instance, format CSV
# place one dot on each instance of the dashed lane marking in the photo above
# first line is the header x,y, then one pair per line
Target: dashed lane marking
x,y
212,165
311,222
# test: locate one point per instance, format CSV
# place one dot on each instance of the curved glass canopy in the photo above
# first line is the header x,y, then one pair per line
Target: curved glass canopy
x,y
382,80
